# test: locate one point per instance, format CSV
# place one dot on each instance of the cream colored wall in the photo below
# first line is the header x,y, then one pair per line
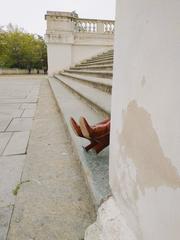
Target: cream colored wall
x,y
59,57
145,140
62,56
82,52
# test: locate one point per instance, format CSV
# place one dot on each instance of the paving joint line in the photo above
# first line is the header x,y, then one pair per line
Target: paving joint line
x,y
12,133
22,112
20,181
13,207
8,125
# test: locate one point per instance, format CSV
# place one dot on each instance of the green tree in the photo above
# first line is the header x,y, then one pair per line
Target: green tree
x,y
19,49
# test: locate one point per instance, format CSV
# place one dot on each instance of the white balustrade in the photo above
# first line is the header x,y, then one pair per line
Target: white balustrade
x,y
65,21
94,26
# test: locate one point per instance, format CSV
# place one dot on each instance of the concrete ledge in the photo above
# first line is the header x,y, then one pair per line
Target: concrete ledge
x,y
98,73
95,63
95,167
96,67
93,60
99,58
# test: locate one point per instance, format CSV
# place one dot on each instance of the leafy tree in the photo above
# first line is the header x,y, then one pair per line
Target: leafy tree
x,y
19,49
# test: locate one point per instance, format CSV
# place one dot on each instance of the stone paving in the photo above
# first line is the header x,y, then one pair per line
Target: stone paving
x,y
18,99
36,158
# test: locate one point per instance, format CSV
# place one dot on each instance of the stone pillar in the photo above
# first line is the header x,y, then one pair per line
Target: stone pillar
x,y
145,134
100,27
59,38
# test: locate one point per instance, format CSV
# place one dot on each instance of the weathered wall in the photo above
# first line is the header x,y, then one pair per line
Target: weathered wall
x,y
145,137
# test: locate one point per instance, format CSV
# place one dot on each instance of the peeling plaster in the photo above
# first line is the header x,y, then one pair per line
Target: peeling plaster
x,y
140,143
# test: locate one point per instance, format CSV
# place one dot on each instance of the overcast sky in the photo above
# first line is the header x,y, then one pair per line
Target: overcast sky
x,y
29,14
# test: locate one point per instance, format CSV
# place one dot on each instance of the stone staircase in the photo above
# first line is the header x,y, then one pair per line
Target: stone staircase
x,y
85,90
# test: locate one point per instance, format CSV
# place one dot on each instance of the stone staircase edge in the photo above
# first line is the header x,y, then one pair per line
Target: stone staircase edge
x,y
96,197
102,81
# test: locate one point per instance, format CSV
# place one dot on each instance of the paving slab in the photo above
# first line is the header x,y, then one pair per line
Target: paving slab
x,y
20,124
12,89
4,122
55,204
33,99
4,139
19,100
17,144
28,113
16,96
5,216
11,106
28,106
12,93
11,113
34,93
10,174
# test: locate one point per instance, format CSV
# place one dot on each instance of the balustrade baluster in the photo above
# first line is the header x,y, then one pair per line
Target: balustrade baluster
x,y
105,27
88,27
94,27
91,27
83,26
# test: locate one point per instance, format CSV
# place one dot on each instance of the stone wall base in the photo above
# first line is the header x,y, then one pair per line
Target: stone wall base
x,y
110,224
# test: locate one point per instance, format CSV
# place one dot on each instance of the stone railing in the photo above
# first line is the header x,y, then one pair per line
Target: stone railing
x,y
66,21
94,26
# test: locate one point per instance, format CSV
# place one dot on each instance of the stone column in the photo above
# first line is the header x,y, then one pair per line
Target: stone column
x,y
59,38
145,134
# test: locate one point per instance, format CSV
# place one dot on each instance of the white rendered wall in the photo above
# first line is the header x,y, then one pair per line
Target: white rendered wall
x,y
62,56
59,57
80,52
145,134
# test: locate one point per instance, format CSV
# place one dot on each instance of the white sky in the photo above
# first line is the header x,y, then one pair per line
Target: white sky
x,y
29,14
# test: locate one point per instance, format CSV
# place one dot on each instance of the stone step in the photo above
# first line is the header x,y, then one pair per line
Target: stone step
x,y
106,52
103,84
94,67
99,100
95,167
98,59
99,56
95,63
96,73
106,55
103,56
109,51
